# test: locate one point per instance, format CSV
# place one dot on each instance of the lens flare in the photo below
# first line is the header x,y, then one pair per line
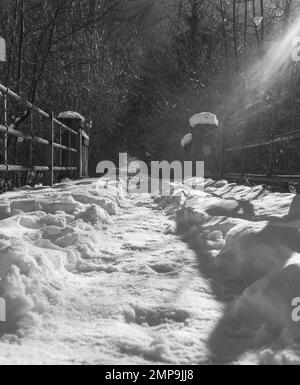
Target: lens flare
x,y
279,57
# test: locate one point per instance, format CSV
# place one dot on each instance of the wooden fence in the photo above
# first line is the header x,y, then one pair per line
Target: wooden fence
x,y
261,145
54,141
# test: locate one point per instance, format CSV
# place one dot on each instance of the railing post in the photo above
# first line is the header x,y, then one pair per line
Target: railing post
x,y
60,151
50,152
69,152
222,152
243,162
5,142
79,154
30,144
270,170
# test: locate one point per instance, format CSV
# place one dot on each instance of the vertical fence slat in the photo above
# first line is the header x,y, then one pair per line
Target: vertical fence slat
x,y
5,142
30,144
60,151
244,166
70,154
50,152
270,171
222,151
79,154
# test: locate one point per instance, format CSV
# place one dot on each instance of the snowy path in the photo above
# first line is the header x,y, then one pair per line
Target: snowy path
x,y
137,314
95,277
143,301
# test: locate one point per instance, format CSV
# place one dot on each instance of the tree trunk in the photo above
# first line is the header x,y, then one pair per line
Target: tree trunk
x,y
235,42
224,33
287,14
20,46
256,29
262,10
12,43
245,35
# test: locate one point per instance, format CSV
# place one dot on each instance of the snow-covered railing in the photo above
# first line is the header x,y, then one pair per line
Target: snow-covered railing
x,y
213,142
204,119
201,144
58,136
285,132
186,140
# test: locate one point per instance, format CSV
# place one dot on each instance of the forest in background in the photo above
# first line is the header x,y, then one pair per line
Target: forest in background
x,y
139,69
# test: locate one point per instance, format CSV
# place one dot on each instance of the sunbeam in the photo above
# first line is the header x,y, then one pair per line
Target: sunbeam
x,y
277,60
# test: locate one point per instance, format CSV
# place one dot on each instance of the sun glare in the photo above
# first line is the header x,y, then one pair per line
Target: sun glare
x,y
268,70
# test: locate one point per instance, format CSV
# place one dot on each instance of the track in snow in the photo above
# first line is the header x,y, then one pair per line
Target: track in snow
x,y
147,298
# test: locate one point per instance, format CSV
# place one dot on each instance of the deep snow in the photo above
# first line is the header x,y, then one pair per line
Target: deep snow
x,y
92,275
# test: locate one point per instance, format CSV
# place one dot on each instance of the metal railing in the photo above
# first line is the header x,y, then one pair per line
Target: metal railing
x,y
50,142
222,142
269,144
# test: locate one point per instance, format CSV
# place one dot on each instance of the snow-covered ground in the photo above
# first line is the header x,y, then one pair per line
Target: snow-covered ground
x,y
91,275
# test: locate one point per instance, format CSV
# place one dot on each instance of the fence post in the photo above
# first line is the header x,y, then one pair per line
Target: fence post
x,y
60,151
50,152
79,154
69,152
5,142
243,162
222,151
30,146
270,170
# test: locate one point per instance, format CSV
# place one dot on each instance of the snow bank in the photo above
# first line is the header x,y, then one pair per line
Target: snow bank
x,y
62,251
270,300
45,237
205,118
250,236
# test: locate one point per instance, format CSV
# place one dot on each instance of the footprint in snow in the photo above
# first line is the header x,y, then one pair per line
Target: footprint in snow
x,y
135,247
163,268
